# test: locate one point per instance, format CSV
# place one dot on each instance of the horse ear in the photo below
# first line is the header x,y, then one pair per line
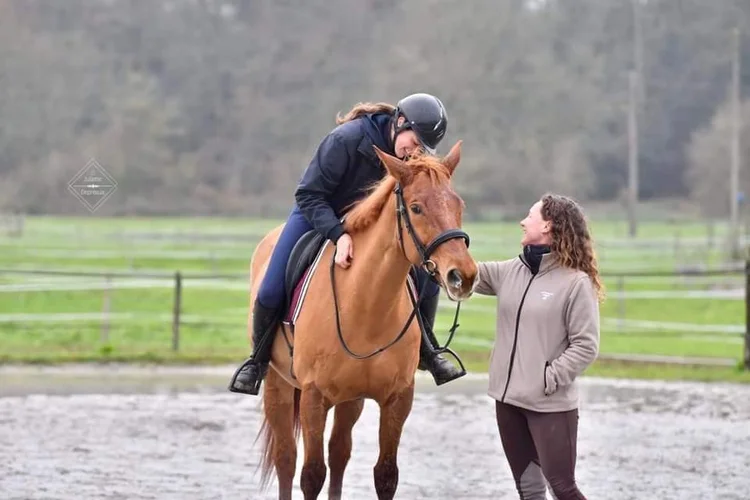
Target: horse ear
x,y
453,157
397,168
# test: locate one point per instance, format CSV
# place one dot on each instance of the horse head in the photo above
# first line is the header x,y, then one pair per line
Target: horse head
x,y
430,217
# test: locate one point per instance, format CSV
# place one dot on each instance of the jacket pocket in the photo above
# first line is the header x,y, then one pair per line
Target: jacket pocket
x,y
548,390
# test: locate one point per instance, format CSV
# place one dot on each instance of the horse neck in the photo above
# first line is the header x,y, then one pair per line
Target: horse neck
x,y
381,267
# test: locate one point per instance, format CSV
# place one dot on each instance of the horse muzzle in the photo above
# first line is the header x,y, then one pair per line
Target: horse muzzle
x,y
459,284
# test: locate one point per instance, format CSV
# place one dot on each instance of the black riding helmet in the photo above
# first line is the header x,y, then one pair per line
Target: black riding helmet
x,y
425,115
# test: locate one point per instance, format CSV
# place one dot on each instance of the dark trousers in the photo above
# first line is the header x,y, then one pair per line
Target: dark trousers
x,y
271,292
537,446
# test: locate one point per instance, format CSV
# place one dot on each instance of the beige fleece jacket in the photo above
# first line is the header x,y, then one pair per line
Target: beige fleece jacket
x,y
547,332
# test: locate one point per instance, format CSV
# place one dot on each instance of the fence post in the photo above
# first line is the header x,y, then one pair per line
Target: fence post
x,y
621,304
747,315
176,311
106,306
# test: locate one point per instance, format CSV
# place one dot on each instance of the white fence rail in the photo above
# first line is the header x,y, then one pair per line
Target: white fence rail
x,y
690,285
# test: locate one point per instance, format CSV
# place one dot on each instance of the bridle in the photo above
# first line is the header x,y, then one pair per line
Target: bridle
x,y
427,264
424,252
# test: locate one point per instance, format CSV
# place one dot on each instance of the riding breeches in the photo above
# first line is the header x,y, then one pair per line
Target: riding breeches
x,y
271,292
538,446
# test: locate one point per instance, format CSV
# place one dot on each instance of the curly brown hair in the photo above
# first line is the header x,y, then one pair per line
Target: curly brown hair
x,y
571,238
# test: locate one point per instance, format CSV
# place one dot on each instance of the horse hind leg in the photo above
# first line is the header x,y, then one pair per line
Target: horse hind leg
x,y
313,411
393,415
340,444
281,426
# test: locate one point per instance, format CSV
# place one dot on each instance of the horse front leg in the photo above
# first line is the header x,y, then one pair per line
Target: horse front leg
x,y
393,414
313,412
340,444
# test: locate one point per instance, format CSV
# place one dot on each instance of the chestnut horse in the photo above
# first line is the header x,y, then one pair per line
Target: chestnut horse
x,y
353,337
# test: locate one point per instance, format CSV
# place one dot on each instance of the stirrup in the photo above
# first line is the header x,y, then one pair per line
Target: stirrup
x,y
455,356
254,390
461,372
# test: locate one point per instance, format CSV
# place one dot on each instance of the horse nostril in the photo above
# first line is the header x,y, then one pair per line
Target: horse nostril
x,y
454,278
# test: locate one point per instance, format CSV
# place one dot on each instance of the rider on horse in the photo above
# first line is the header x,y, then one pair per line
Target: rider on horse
x,y
343,168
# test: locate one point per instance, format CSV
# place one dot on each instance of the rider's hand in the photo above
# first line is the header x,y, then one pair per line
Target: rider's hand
x,y
344,251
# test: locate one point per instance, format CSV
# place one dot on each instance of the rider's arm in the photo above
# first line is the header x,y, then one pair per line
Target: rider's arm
x,y
319,182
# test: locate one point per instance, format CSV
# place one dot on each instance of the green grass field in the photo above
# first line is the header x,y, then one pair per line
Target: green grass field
x,y
57,318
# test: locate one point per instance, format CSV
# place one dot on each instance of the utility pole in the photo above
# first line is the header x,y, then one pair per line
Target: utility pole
x,y
734,188
638,51
635,105
632,154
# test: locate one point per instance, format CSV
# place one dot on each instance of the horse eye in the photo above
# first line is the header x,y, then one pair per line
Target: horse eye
x,y
416,209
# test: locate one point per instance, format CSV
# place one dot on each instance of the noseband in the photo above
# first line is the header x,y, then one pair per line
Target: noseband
x,y
402,216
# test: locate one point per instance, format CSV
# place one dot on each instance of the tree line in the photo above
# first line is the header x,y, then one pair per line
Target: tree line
x,y
216,106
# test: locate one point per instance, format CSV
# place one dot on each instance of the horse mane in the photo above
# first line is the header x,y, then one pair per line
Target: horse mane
x,y
365,212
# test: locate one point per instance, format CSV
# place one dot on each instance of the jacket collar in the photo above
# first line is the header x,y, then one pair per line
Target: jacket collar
x,y
538,259
549,262
376,133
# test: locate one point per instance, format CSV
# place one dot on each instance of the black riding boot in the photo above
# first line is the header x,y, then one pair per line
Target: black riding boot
x,y
441,369
250,374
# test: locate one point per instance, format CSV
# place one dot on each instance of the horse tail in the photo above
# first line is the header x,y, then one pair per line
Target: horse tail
x,y
266,462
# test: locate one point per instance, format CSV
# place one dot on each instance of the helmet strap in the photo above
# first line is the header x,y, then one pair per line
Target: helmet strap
x,y
396,128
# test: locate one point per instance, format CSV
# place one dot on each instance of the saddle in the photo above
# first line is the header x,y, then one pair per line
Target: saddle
x,y
302,261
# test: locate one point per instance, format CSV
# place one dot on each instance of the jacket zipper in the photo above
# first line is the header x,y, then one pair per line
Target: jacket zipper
x,y
544,375
515,338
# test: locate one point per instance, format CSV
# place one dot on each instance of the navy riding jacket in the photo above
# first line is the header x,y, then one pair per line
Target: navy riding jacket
x,y
343,168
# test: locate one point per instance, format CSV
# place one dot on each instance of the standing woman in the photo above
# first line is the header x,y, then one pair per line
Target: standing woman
x,y
547,335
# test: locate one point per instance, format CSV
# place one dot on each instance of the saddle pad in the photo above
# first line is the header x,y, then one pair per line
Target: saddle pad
x,y
300,290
